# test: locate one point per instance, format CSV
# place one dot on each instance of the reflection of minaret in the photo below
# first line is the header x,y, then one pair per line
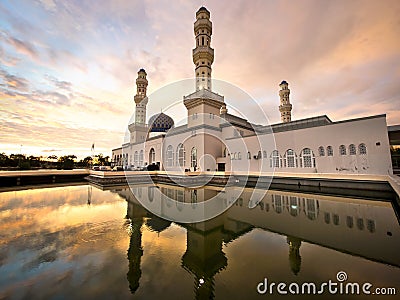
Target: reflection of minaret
x,y
204,259
135,251
89,200
294,254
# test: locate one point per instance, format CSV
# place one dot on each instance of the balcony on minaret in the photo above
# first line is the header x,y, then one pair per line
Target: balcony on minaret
x,y
203,23
285,107
203,52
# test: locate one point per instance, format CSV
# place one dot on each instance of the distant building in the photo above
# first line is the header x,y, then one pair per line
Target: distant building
x,y
214,140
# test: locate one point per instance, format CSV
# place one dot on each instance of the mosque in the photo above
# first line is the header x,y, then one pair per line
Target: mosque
x,y
215,140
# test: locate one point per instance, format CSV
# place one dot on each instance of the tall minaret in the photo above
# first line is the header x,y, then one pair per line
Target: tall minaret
x,y
140,98
203,54
285,108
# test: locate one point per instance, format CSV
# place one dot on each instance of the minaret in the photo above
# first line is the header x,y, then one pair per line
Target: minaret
x,y
285,108
140,98
203,54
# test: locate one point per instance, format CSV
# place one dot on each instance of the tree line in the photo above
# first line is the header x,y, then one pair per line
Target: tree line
x,y
65,162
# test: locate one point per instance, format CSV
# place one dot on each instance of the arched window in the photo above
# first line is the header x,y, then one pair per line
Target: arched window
x,y
170,156
362,149
349,221
265,154
360,224
311,209
307,158
336,219
329,151
371,226
352,149
248,155
239,156
327,218
274,159
193,198
342,150
259,155
150,193
193,157
180,198
290,158
294,206
224,153
277,203
141,158
152,156
321,151
180,155
136,158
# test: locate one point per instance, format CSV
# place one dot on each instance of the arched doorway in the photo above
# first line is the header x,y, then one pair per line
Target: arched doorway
x,y
193,158
152,156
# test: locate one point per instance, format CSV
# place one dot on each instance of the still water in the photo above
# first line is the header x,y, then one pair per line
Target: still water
x,y
80,242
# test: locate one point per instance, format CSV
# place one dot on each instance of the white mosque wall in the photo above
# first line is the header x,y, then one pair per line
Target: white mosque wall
x,y
351,136
358,146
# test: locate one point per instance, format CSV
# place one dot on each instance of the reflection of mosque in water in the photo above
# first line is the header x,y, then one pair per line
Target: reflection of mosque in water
x,y
345,225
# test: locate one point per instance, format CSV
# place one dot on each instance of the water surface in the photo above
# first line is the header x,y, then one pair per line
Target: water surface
x,y
80,242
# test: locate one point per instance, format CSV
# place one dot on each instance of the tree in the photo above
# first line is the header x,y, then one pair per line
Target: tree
x,y
101,160
66,162
86,162
53,157
395,150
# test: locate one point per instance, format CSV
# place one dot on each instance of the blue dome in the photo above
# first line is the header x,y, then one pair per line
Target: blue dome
x,y
160,123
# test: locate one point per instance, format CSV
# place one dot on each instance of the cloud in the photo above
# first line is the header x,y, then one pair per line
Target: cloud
x,y
20,46
64,85
8,60
13,82
72,65
48,5
51,97
51,150
57,135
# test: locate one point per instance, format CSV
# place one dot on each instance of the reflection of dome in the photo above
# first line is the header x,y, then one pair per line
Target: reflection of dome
x,y
157,224
160,123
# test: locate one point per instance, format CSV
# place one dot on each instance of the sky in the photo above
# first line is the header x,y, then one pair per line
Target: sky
x,y
68,68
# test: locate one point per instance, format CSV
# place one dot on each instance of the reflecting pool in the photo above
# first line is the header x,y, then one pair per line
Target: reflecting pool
x,y
81,242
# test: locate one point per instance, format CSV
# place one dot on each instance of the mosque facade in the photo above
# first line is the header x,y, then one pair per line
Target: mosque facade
x,y
215,140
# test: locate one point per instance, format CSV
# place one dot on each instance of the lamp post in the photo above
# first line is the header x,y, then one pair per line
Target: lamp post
x,y
20,155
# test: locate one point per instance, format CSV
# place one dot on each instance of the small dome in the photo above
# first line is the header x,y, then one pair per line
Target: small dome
x,y
142,70
283,82
160,123
203,9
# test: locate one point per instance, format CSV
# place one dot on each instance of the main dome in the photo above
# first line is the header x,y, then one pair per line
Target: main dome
x,y
160,123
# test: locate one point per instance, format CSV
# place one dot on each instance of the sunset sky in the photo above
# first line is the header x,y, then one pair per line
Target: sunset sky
x,y
68,68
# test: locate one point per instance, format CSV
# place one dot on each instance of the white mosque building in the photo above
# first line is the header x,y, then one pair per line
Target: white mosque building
x,y
214,140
